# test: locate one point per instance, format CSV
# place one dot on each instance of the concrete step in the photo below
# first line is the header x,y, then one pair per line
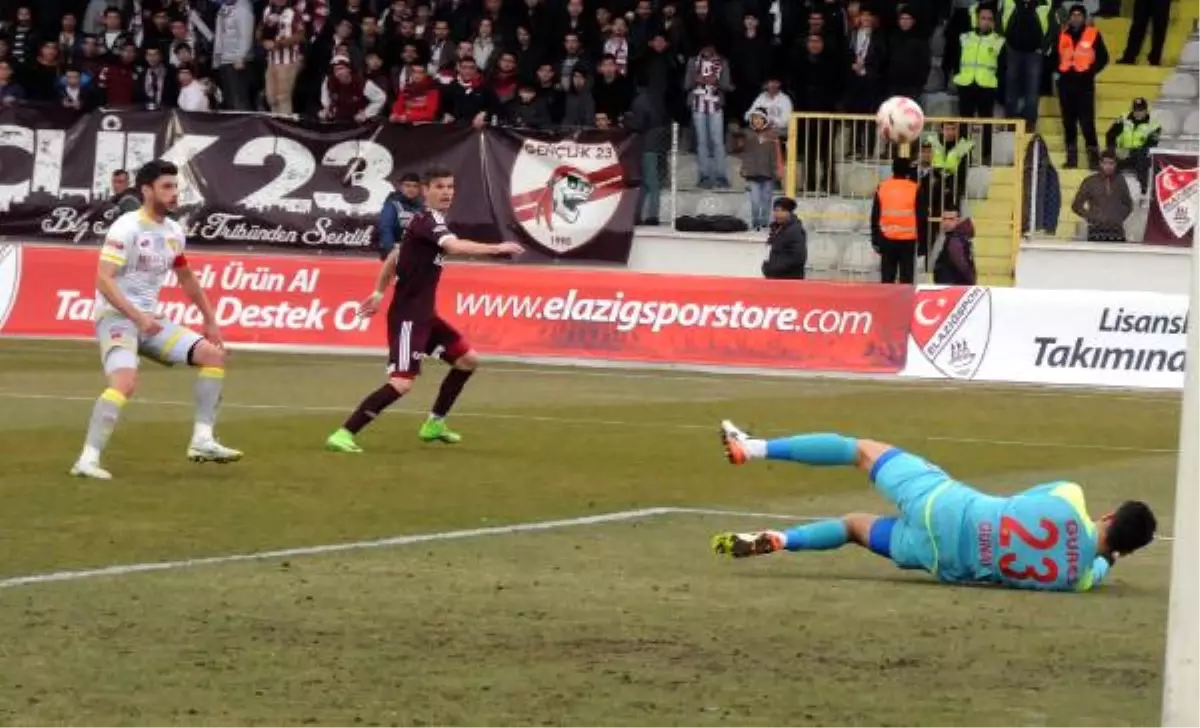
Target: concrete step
x,y
1106,107
1115,73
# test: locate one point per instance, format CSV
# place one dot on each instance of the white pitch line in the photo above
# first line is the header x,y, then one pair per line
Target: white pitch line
x,y
124,569
528,527
587,421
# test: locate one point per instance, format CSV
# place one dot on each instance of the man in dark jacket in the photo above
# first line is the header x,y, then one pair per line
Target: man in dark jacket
x,y
788,243
908,59
467,99
648,117
527,110
124,198
398,209
955,264
1080,56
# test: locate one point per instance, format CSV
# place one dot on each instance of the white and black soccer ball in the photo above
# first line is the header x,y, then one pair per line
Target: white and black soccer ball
x,y
900,120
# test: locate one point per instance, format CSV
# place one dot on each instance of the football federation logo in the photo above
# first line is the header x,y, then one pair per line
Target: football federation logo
x,y
565,193
952,327
1176,190
10,280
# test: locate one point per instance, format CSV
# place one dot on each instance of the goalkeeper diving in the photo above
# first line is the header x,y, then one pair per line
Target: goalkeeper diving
x,y
1042,538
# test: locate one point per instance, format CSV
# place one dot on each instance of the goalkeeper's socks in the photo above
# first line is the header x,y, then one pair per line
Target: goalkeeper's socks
x,y
819,536
823,448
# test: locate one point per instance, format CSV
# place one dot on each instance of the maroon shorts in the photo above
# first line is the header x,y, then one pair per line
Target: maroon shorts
x,y
411,341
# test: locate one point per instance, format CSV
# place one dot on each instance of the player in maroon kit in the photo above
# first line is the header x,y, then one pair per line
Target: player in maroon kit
x,y
414,328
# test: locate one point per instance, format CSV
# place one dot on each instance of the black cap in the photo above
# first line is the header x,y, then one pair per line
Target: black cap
x,y
786,204
410,177
1139,104
1079,8
1108,154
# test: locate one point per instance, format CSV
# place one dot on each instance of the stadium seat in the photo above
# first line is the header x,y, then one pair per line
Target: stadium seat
x,y
940,104
1189,57
978,181
1135,224
1181,87
936,81
1170,117
1004,149
825,253
844,216
1191,125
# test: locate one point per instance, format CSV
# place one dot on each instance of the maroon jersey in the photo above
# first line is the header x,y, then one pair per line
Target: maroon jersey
x,y
419,266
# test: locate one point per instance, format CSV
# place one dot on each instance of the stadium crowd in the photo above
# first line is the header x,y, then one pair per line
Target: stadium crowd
x,y
712,65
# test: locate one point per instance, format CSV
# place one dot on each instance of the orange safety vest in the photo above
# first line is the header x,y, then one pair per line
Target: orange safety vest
x,y
1078,58
898,209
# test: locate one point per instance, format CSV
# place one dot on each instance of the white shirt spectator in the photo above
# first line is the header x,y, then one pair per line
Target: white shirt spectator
x,y
778,107
193,97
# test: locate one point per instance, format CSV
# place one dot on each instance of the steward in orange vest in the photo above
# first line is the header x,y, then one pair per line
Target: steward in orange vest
x,y
899,224
1080,55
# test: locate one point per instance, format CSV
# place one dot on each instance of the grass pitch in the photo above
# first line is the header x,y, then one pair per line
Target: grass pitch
x,y
631,622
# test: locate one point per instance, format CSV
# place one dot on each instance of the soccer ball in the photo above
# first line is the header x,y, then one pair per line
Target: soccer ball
x,y
900,119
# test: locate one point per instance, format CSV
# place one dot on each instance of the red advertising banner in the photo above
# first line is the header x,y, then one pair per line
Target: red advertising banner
x,y
305,301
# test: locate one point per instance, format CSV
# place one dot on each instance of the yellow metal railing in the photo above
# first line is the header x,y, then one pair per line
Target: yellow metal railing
x,y
842,157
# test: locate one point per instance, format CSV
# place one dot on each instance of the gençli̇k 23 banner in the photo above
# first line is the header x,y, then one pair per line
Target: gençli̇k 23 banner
x,y
255,180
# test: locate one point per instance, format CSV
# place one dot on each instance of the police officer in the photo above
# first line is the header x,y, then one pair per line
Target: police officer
x,y
1132,137
978,66
1081,56
899,219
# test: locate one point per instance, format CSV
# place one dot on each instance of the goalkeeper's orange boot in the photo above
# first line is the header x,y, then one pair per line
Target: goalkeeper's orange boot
x,y
734,441
741,545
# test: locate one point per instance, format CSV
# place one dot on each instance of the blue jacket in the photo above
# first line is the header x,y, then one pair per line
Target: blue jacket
x,y
393,219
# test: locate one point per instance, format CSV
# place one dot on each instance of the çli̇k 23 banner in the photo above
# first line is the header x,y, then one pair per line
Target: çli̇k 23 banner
x,y
255,180
1175,192
309,302
1124,339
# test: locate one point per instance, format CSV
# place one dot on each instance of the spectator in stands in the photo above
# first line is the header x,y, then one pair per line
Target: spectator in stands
x,y
1104,201
73,94
762,167
114,38
232,51
612,92
865,85
24,37
977,78
527,110
707,81
158,33
579,110
602,121
441,47
1025,25
194,93
931,183
503,79
1146,12
955,264
158,88
89,59
899,219
536,18
378,75
909,58
483,45
1080,56
551,92
467,100
748,73
776,103
649,118
419,100
398,210
529,55
671,25
642,29
617,45
572,59
11,92
787,243
124,198
118,79
282,36
815,87
69,38
347,96
41,78
702,28
1133,136
657,68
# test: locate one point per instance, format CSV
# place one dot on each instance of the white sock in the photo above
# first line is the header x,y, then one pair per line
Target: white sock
x,y
89,455
202,433
755,448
